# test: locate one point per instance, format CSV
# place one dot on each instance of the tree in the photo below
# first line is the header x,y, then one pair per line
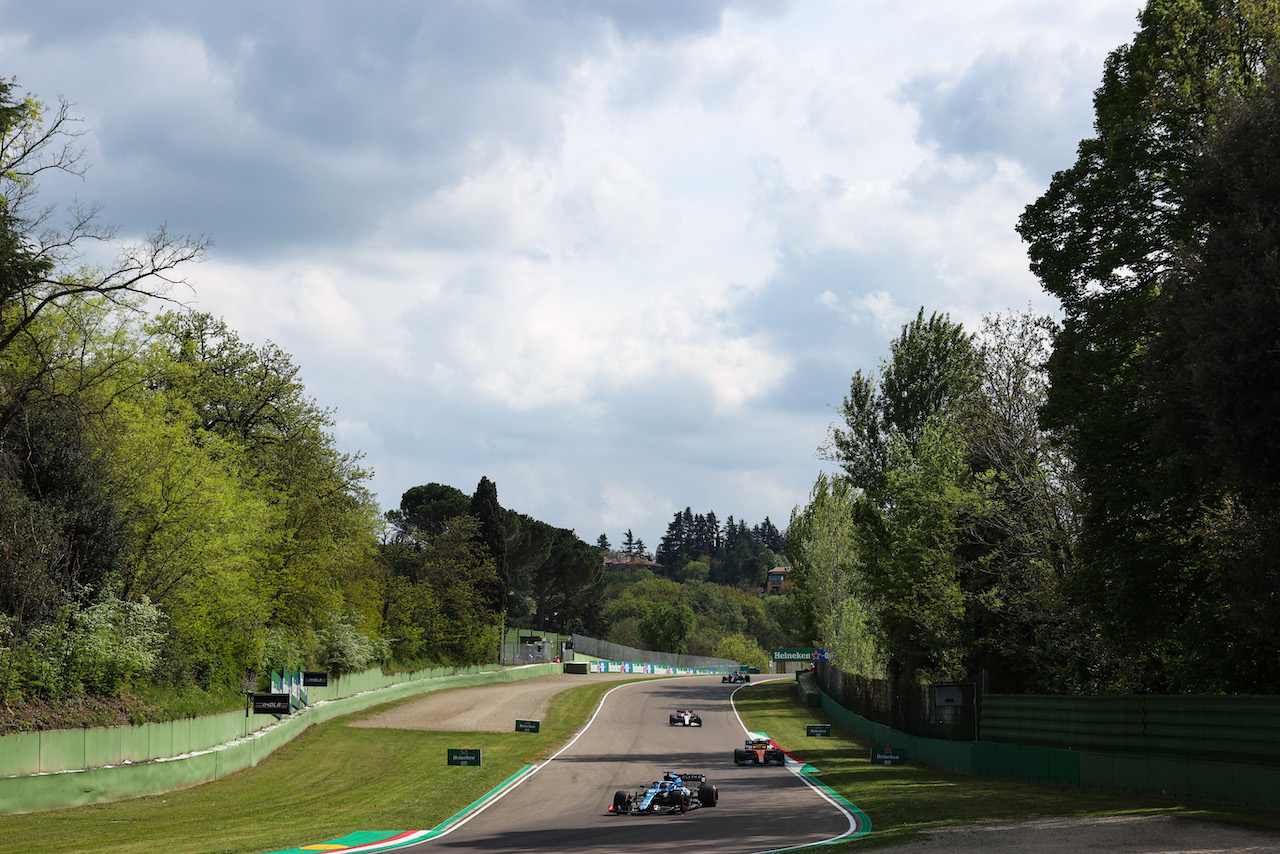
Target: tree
x,y
1105,239
667,627
1018,546
426,510
1216,370
602,543
252,396
960,510
493,534
931,368
833,593
41,262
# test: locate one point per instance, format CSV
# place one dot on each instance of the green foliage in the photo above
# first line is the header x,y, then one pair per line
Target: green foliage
x,y
695,570
174,505
116,643
342,648
887,531
742,649
945,549
667,627
1112,238
435,607
733,554
833,596
102,649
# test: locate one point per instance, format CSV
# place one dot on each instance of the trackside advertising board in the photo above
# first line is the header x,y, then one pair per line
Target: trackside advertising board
x,y
271,704
464,756
645,669
886,756
528,726
800,655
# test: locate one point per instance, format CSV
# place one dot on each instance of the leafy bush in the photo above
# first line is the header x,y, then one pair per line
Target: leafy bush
x,y
113,643
343,648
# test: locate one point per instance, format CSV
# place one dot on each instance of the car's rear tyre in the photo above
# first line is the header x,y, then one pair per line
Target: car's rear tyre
x,y
738,756
708,795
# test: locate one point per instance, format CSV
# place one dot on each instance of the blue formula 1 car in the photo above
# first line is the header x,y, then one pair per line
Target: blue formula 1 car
x,y
671,794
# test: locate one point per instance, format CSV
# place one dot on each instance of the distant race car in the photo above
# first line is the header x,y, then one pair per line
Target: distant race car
x,y
759,751
686,717
736,677
671,794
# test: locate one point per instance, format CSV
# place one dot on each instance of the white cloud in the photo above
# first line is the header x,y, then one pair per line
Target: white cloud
x,y
574,253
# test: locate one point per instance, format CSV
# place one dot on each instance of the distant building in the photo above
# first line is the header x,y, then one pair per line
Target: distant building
x,y
628,563
777,578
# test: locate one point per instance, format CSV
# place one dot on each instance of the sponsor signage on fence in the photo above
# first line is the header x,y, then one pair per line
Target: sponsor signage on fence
x,y
271,704
315,679
800,655
464,756
817,730
527,726
886,756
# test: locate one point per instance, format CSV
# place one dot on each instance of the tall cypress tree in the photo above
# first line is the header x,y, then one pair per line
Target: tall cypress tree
x,y
493,533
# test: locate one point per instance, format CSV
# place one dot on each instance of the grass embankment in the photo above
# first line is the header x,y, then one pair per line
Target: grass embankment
x,y
329,781
335,779
905,801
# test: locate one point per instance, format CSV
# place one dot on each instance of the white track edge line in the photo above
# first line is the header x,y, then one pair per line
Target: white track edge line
x,y
852,819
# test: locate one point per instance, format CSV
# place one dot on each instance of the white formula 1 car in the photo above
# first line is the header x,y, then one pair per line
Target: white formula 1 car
x,y
686,717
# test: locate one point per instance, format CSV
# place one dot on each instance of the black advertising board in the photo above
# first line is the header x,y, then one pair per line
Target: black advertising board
x,y
314,679
271,704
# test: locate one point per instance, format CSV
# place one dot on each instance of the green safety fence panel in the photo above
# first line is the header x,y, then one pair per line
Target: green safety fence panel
x,y
1183,778
1230,729
36,790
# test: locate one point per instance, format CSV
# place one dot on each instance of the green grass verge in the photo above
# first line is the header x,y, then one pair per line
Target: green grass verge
x,y
327,782
904,802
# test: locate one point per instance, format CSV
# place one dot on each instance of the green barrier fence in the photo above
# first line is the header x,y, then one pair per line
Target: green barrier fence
x,y
1184,778
217,755
1217,729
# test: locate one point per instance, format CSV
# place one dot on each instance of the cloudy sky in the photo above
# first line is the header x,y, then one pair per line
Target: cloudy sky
x,y
619,256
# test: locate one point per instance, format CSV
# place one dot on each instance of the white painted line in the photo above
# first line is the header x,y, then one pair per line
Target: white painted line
x,y
795,768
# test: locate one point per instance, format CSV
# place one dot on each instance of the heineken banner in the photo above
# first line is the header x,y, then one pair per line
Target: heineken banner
x,y
817,730
886,756
528,726
800,655
464,756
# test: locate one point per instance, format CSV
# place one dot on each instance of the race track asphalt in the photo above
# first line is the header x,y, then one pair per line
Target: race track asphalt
x,y
563,806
